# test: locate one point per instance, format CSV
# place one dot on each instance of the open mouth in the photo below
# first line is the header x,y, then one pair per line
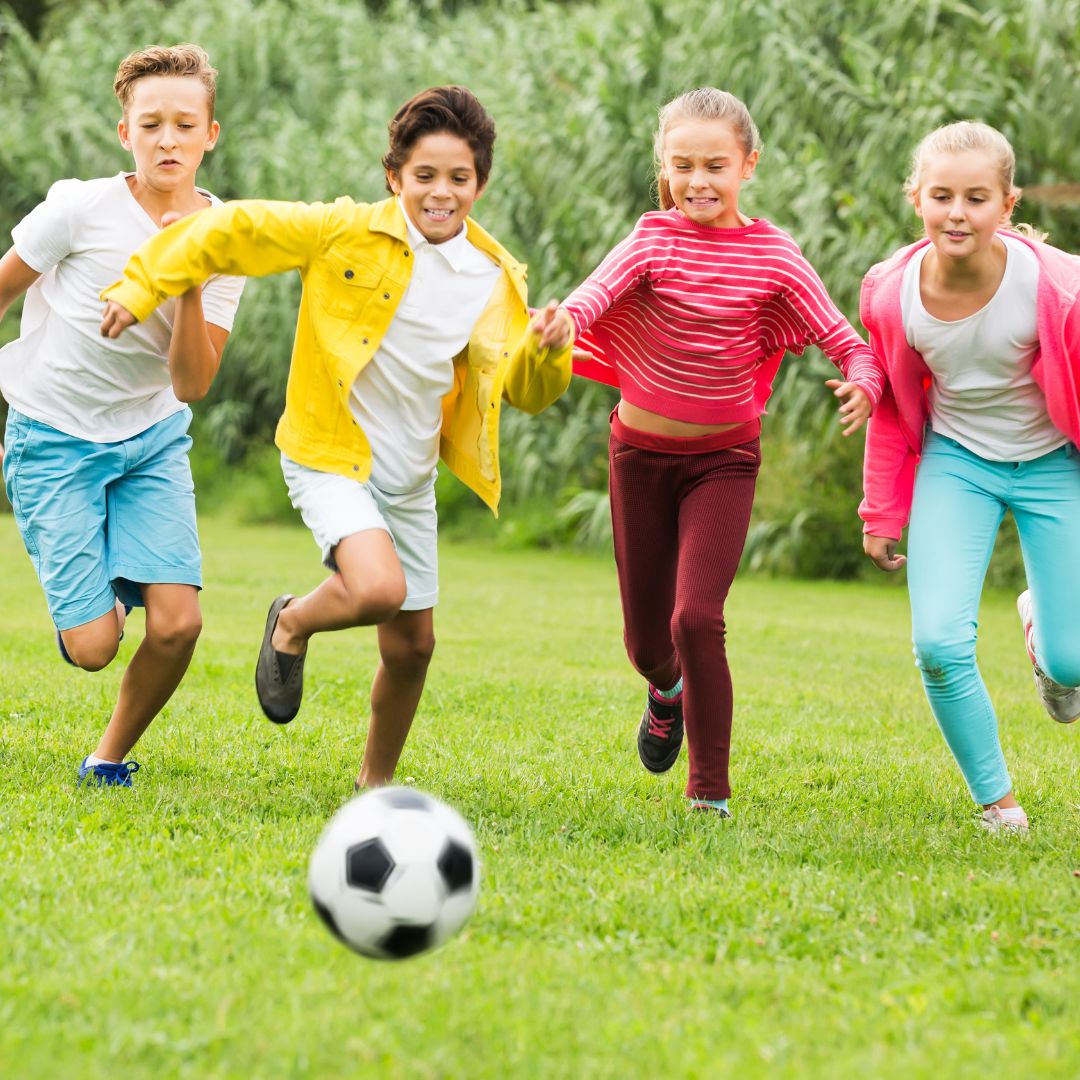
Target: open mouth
x,y
438,215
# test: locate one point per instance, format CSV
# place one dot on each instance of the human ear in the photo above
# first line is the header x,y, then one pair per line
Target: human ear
x,y
123,134
394,182
750,164
212,135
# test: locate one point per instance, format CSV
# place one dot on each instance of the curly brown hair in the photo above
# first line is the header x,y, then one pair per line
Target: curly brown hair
x,y
453,109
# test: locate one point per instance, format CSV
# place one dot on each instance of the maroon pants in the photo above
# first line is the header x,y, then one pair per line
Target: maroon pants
x,y
679,521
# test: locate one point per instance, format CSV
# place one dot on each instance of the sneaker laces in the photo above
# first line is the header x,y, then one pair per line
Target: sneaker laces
x,y
660,727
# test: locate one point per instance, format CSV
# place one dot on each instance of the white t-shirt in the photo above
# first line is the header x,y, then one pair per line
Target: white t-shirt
x,y
60,370
983,394
397,398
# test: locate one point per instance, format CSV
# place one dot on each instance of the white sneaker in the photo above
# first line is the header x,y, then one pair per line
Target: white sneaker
x,y
1010,822
1061,702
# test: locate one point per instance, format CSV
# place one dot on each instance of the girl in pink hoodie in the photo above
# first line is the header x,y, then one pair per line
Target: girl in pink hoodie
x,y
978,326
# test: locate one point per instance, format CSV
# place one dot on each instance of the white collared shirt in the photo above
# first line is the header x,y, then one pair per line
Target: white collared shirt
x,y
397,398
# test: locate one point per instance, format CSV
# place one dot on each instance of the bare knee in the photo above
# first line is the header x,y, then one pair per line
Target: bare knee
x,y
176,632
91,652
378,598
408,655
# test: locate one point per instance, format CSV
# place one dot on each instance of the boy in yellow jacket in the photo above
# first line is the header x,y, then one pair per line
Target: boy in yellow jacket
x,y
413,326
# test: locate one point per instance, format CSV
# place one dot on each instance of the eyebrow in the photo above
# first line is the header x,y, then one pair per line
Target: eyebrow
x,y
682,156
151,113
945,187
434,168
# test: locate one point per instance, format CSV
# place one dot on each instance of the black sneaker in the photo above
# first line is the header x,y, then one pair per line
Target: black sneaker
x,y
659,737
280,691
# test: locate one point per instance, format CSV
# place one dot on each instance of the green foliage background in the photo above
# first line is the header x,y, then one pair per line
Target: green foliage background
x,y
841,91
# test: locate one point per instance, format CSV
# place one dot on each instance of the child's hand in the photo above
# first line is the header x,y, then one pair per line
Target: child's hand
x,y
116,320
855,410
882,550
582,356
554,326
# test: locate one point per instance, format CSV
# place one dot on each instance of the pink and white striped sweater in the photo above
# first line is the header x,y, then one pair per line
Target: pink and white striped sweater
x,y
692,322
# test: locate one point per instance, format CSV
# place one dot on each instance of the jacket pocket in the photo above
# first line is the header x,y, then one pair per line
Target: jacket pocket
x,y
342,286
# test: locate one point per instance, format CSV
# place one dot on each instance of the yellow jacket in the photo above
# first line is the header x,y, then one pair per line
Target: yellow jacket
x,y
355,262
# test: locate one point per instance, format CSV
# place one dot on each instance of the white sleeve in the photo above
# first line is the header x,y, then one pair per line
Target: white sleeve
x,y
220,298
43,237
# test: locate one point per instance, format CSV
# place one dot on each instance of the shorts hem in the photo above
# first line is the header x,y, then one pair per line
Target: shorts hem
x,y
421,602
157,575
69,618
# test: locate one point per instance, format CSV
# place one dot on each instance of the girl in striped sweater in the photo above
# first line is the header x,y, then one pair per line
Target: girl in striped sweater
x,y
690,317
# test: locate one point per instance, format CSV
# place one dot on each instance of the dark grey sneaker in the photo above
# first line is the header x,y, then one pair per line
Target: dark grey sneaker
x,y
660,734
279,677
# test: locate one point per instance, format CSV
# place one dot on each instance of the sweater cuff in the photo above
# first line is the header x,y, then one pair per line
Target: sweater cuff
x,y
890,528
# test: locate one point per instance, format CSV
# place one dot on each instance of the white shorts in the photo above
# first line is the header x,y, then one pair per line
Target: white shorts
x,y
334,507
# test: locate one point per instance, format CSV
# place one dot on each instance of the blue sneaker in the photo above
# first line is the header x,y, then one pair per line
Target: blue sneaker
x,y
63,651
107,774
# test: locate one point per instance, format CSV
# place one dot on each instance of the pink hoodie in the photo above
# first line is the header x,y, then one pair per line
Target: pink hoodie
x,y
895,432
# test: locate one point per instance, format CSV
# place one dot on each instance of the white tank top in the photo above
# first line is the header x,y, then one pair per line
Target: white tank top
x,y
983,394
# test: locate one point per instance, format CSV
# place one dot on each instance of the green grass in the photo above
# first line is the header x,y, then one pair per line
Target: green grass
x,y
851,920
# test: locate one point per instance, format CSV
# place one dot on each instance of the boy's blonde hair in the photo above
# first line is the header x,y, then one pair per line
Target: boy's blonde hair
x,y
967,135
704,103
185,59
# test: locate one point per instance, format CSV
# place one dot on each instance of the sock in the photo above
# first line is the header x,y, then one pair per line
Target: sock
x,y
285,663
713,804
92,759
668,695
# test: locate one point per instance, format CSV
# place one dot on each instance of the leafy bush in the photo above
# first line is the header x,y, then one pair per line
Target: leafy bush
x,y
840,91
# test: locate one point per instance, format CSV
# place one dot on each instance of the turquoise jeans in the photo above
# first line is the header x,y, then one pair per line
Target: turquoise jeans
x,y
960,500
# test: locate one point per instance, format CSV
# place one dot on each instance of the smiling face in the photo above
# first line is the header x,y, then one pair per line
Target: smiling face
x,y
167,128
961,201
437,185
704,164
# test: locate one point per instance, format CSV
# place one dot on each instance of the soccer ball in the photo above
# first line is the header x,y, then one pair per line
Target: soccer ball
x,y
394,873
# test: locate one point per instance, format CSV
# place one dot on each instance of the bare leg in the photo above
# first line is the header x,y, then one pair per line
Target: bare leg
x,y
173,624
1003,803
369,587
406,643
93,645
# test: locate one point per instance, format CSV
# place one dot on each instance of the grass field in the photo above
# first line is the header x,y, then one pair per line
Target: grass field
x,y
851,921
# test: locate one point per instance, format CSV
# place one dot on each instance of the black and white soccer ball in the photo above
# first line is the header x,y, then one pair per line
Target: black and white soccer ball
x,y
394,873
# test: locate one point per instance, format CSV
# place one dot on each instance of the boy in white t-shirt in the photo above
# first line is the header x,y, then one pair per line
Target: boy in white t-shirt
x,y
96,464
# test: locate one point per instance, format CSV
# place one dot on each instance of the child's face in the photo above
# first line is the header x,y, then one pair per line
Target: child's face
x,y
704,165
961,202
167,128
438,185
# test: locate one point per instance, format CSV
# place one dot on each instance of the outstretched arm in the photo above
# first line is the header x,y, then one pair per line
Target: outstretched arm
x,y
249,238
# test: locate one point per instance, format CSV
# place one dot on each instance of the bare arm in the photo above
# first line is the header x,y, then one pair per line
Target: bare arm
x,y
15,278
196,348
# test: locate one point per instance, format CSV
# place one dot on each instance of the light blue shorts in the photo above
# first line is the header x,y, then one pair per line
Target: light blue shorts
x,y
100,519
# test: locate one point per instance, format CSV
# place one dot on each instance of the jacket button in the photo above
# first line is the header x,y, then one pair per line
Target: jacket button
x,y
386,296
406,253
365,341
356,468
340,383
349,274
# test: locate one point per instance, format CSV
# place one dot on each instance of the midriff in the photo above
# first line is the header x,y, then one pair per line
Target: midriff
x,y
635,417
